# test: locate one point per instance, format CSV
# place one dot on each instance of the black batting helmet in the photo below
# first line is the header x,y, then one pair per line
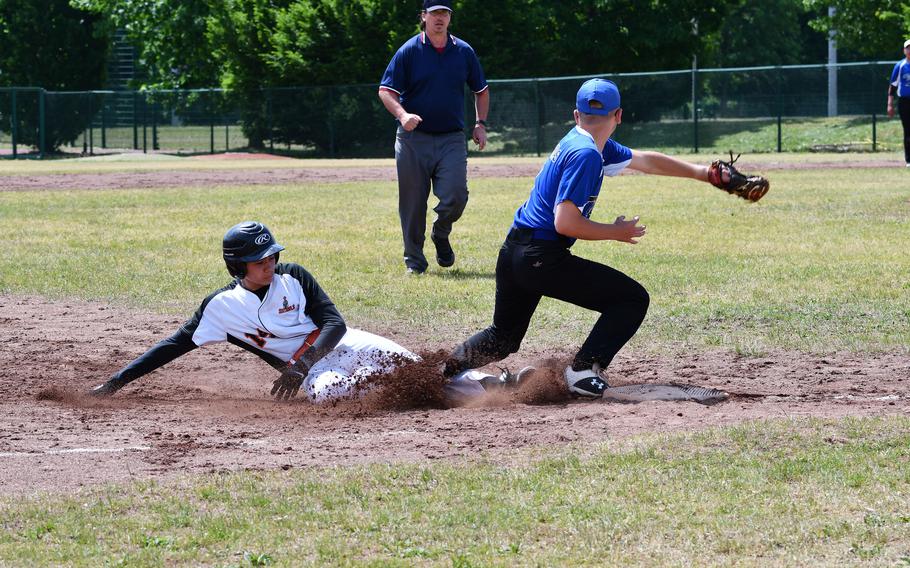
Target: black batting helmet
x,y
245,242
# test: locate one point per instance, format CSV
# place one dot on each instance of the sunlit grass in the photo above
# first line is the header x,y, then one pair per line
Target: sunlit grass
x,y
819,264
807,493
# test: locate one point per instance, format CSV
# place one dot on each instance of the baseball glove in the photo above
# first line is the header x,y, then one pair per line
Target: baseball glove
x,y
286,386
725,176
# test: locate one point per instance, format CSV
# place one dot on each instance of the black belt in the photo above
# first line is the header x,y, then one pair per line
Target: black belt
x,y
524,236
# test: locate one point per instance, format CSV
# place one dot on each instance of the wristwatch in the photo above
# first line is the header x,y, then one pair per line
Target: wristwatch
x,y
480,122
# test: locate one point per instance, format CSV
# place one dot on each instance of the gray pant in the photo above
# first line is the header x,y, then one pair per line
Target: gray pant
x,y
423,158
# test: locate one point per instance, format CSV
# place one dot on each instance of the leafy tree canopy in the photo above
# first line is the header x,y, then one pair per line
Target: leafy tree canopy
x,y
872,28
170,35
50,44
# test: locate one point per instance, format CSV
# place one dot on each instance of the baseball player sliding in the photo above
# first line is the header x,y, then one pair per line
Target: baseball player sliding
x,y
535,260
280,313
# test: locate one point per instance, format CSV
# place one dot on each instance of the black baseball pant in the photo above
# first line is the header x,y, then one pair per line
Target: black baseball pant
x,y
903,109
527,270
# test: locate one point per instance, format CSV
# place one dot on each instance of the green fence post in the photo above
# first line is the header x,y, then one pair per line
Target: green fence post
x,y
211,122
15,125
135,120
145,121
268,114
103,121
155,145
41,124
695,104
539,109
85,131
874,145
331,115
780,111
91,126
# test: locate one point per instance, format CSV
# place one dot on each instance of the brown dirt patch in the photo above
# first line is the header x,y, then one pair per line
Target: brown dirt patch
x,y
233,156
310,174
210,410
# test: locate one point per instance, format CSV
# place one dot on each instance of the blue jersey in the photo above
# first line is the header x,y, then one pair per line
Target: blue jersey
x,y
573,172
900,78
431,84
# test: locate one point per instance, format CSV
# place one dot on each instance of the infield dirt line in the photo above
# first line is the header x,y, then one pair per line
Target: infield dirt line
x,y
75,451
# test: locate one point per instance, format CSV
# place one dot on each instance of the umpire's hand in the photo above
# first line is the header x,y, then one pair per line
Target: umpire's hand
x,y
479,135
286,386
409,121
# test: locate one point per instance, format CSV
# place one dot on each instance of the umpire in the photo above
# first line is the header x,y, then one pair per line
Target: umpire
x,y
423,88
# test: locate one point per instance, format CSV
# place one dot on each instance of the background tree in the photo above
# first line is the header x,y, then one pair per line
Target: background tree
x,y
242,38
773,32
871,28
49,44
170,37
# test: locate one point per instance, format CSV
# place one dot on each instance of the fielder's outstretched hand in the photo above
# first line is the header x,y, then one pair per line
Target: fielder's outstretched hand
x,y
628,231
288,384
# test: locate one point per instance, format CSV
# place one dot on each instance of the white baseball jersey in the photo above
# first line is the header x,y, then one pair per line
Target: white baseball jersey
x,y
276,324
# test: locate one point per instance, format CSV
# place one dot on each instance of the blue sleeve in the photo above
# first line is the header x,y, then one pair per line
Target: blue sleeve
x,y
395,76
895,74
616,158
476,80
581,174
616,153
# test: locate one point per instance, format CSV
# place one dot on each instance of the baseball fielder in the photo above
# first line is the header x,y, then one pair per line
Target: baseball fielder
x,y
535,260
899,86
281,314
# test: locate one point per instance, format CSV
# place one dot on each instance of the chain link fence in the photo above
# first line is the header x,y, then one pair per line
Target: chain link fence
x,y
757,109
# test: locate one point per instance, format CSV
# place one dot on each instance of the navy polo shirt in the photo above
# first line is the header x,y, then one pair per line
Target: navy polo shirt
x,y
573,172
431,84
900,78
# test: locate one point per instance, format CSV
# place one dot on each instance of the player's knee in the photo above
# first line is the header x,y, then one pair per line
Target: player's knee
x,y
453,204
328,386
641,300
644,299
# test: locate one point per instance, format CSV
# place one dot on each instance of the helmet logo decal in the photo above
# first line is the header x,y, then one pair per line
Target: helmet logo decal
x,y
263,238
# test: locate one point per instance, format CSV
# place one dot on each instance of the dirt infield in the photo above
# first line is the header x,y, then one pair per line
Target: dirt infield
x,y
309,174
210,410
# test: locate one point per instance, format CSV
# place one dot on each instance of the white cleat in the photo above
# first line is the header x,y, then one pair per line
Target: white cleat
x,y
588,383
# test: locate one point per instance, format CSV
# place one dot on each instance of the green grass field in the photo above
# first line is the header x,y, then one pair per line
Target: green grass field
x,y
819,265
789,493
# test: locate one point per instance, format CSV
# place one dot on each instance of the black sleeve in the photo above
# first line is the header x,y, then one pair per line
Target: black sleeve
x,y
892,90
161,354
321,310
166,350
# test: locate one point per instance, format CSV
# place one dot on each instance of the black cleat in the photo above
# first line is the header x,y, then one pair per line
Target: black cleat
x,y
445,256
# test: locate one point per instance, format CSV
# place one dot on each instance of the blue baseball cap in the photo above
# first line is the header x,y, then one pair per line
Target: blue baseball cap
x,y
604,94
430,5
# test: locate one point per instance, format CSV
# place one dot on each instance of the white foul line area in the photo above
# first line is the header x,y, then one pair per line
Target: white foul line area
x,y
74,451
